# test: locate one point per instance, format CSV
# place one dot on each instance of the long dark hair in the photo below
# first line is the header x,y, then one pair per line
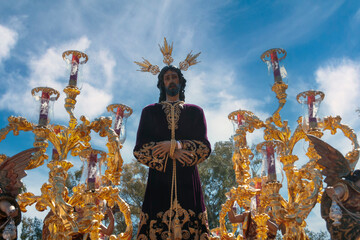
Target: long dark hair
x,y
161,86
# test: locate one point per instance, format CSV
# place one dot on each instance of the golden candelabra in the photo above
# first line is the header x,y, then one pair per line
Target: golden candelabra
x,y
98,190
304,185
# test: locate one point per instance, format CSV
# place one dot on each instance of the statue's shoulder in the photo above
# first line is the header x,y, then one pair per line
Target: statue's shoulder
x,y
193,107
152,107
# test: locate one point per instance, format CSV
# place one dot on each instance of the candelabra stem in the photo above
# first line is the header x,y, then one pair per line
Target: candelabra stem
x,y
280,89
262,228
71,93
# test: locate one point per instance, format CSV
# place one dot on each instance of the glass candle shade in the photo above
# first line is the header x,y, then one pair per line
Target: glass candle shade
x,y
310,101
92,165
44,96
74,59
271,151
120,114
272,58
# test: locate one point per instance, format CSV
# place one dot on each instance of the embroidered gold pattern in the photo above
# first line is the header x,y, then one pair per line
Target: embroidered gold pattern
x,y
144,217
193,226
145,156
177,110
198,149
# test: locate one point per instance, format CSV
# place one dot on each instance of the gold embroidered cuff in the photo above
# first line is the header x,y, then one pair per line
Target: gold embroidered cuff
x,y
145,156
198,150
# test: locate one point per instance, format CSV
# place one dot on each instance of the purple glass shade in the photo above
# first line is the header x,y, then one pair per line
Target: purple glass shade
x,y
118,120
276,67
310,101
270,161
46,99
119,124
44,109
74,70
272,58
92,171
270,151
92,165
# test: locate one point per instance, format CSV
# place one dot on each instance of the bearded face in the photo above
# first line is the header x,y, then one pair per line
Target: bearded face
x,y
171,83
173,89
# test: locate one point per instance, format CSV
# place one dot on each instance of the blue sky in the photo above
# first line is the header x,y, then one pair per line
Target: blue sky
x,y
320,37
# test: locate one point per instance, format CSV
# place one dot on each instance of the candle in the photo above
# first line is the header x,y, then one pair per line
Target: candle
x,y
92,169
240,119
44,108
275,67
270,159
118,120
311,107
258,186
74,70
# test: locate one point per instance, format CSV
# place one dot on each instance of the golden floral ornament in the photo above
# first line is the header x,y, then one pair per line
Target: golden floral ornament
x,y
166,50
189,61
146,66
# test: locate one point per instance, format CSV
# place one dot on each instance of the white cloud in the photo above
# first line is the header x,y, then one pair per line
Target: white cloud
x,y
50,70
105,59
7,41
218,93
92,101
339,80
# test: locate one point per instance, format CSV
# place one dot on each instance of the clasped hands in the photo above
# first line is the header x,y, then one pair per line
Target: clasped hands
x,y
181,155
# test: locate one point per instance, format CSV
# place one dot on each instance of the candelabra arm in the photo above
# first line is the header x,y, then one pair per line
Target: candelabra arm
x,y
62,222
280,89
70,101
311,187
111,195
242,195
334,123
298,135
41,134
16,124
57,178
4,131
225,208
27,199
102,126
272,196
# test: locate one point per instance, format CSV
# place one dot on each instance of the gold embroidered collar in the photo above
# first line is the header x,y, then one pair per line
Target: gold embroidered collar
x,y
177,106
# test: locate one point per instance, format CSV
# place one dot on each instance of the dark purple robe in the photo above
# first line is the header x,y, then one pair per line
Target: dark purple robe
x,y
155,126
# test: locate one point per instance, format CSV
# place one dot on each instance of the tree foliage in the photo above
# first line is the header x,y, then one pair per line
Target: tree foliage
x,y
217,177
256,162
31,228
132,190
322,235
